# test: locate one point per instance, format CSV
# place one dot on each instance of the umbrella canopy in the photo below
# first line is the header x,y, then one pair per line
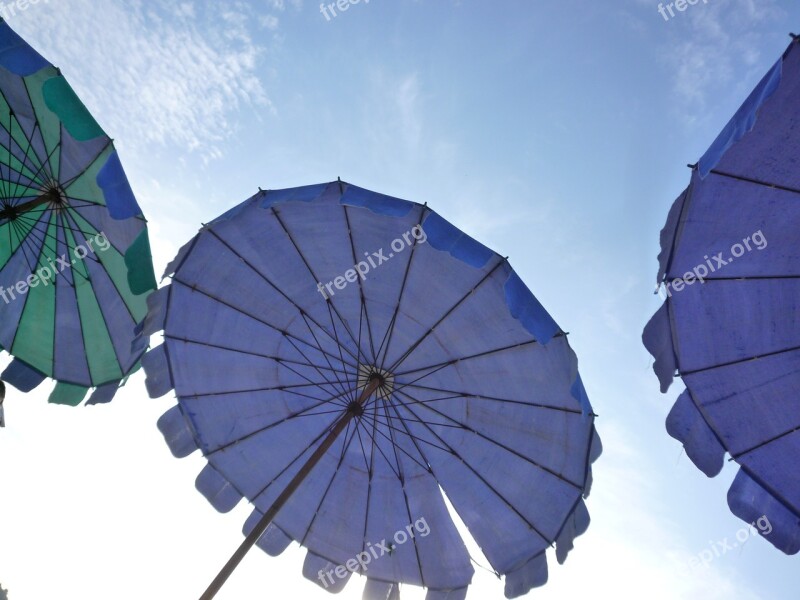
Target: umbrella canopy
x,y
333,326
730,270
75,263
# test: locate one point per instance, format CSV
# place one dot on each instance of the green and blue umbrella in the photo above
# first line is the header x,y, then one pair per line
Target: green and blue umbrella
x,y
75,262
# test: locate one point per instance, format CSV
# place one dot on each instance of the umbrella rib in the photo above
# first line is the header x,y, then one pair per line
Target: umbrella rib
x,y
256,354
49,155
247,352
457,393
414,439
316,513
766,443
88,166
370,470
338,345
29,143
360,291
508,449
380,450
377,429
277,388
469,357
738,361
387,338
194,288
405,496
88,278
480,477
281,292
775,186
311,272
293,461
261,430
745,278
25,301
341,386
416,344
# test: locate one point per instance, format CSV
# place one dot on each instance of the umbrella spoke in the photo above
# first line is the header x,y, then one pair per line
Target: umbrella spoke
x,y
489,486
199,290
363,309
491,440
315,514
456,394
275,287
387,338
314,277
444,317
454,361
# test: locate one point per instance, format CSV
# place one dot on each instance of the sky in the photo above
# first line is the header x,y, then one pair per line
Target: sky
x,y
557,132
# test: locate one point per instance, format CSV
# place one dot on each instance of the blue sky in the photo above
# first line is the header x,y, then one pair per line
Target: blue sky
x,y
556,132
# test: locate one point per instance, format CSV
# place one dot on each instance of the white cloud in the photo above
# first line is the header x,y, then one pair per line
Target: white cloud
x,y
151,79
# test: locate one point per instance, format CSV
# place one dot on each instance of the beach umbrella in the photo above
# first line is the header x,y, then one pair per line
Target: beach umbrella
x,y
345,360
75,263
729,271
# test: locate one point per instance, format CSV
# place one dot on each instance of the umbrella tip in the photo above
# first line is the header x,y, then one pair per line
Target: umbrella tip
x,y
692,166
793,36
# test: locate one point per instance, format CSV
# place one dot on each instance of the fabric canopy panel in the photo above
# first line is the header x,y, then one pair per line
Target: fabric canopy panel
x,y
75,263
282,309
730,325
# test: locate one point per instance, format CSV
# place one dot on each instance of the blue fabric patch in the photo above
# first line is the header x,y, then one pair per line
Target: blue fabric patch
x,y
527,310
16,55
22,376
377,203
579,393
120,200
444,236
743,121
307,193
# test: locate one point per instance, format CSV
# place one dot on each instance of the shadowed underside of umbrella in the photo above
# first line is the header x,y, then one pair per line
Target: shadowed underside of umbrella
x,y
75,264
734,337
279,317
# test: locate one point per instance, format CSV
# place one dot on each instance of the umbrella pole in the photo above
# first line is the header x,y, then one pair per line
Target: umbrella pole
x,y
353,410
12,211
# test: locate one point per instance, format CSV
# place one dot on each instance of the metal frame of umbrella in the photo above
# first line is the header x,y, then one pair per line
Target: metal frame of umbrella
x,y
285,374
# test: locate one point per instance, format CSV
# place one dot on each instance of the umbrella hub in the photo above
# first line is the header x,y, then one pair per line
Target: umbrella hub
x,y
369,373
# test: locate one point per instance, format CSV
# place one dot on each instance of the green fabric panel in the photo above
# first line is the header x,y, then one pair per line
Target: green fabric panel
x,y
63,101
139,259
116,267
11,237
85,186
100,354
67,394
35,335
49,122
103,364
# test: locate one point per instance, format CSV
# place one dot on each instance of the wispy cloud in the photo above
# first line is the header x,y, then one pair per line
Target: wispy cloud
x,y
714,46
155,72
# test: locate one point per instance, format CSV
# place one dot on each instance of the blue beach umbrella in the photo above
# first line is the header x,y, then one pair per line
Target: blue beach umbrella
x,y
344,360
75,263
729,271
